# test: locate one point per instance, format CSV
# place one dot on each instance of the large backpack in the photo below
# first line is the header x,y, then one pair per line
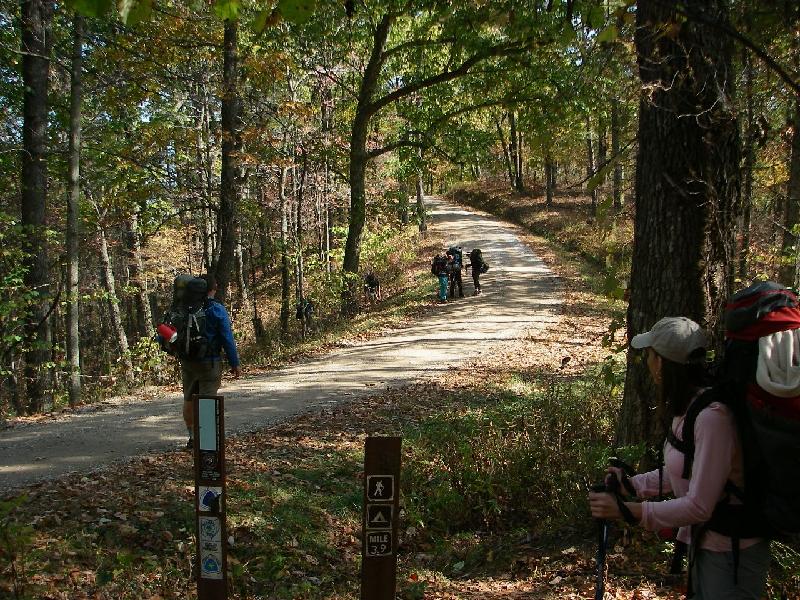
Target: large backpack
x,y
456,253
477,262
438,265
768,425
187,315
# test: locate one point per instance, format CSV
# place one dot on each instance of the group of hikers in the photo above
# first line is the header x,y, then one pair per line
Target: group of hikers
x,y
447,265
732,456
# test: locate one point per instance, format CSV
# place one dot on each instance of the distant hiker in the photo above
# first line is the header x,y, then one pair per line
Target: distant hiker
x,y
372,288
720,565
199,328
478,266
439,270
305,312
454,264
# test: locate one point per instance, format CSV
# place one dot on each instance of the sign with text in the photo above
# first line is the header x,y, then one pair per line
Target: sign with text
x,y
209,488
381,508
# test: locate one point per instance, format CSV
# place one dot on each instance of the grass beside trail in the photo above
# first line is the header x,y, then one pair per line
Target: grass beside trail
x,y
495,456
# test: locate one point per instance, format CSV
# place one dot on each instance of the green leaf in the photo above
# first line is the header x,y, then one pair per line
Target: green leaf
x,y
609,34
227,10
595,16
92,8
296,11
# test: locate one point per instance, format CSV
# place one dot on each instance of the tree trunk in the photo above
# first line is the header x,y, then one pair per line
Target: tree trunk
x,y
107,277
231,146
791,247
299,241
35,27
549,177
749,163
513,150
687,190
358,165
73,215
506,156
422,218
602,146
520,163
590,164
285,275
139,283
616,190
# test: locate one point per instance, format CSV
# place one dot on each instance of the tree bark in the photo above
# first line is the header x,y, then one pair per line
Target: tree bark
x,y
139,283
506,156
749,163
35,21
616,190
358,165
109,283
549,177
687,190
791,246
231,146
285,274
513,150
73,215
590,166
421,213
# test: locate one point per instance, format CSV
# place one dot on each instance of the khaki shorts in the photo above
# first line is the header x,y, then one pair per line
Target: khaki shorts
x,y
200,378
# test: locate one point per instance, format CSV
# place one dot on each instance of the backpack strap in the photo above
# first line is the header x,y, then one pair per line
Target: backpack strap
x,y
686,445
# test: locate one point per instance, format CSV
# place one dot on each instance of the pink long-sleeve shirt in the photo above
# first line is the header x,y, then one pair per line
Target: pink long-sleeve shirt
x,y
717,459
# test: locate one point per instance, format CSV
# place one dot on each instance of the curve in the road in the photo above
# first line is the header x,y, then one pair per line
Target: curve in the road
x,y
519,297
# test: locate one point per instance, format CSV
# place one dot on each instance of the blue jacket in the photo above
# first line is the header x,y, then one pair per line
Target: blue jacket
x,y
219,333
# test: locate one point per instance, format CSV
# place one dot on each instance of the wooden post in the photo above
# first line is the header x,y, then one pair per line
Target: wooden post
x,y
380,515
209,475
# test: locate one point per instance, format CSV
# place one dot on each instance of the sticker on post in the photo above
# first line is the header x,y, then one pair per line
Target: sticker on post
x,y
211,564
380,487
208,498
210,530
379,516
379,543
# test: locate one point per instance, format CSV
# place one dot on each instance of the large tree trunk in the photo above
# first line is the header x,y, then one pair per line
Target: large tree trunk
x,y
791,246
687,189
285,274
231,146
749,163
358,166
616,190
422,218
35,25
73,215
109,283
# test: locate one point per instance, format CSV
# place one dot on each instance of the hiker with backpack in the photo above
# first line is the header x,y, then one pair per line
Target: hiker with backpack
x,y
721,565
454,264
478,266
198,329
439,270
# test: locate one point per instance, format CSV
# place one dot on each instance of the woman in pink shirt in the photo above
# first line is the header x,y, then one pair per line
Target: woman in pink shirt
x,y
674,350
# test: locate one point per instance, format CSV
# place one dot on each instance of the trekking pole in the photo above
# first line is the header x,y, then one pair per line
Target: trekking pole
x,y
602,545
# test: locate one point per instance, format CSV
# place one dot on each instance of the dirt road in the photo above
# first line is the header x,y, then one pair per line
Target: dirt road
x,y
519,297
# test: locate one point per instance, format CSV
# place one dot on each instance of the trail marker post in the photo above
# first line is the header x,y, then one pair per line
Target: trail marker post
x,y
380,517
209,477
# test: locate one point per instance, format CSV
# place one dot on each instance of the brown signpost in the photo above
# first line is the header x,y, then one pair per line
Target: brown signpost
x,y
209,477
380,516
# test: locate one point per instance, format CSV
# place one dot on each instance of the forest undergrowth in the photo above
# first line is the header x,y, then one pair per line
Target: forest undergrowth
x,y
493,504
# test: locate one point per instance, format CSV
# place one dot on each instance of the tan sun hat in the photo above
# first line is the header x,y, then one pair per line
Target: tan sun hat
x,y
674,338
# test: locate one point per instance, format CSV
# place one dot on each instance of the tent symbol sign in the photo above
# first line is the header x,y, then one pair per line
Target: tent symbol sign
x,y
379,516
